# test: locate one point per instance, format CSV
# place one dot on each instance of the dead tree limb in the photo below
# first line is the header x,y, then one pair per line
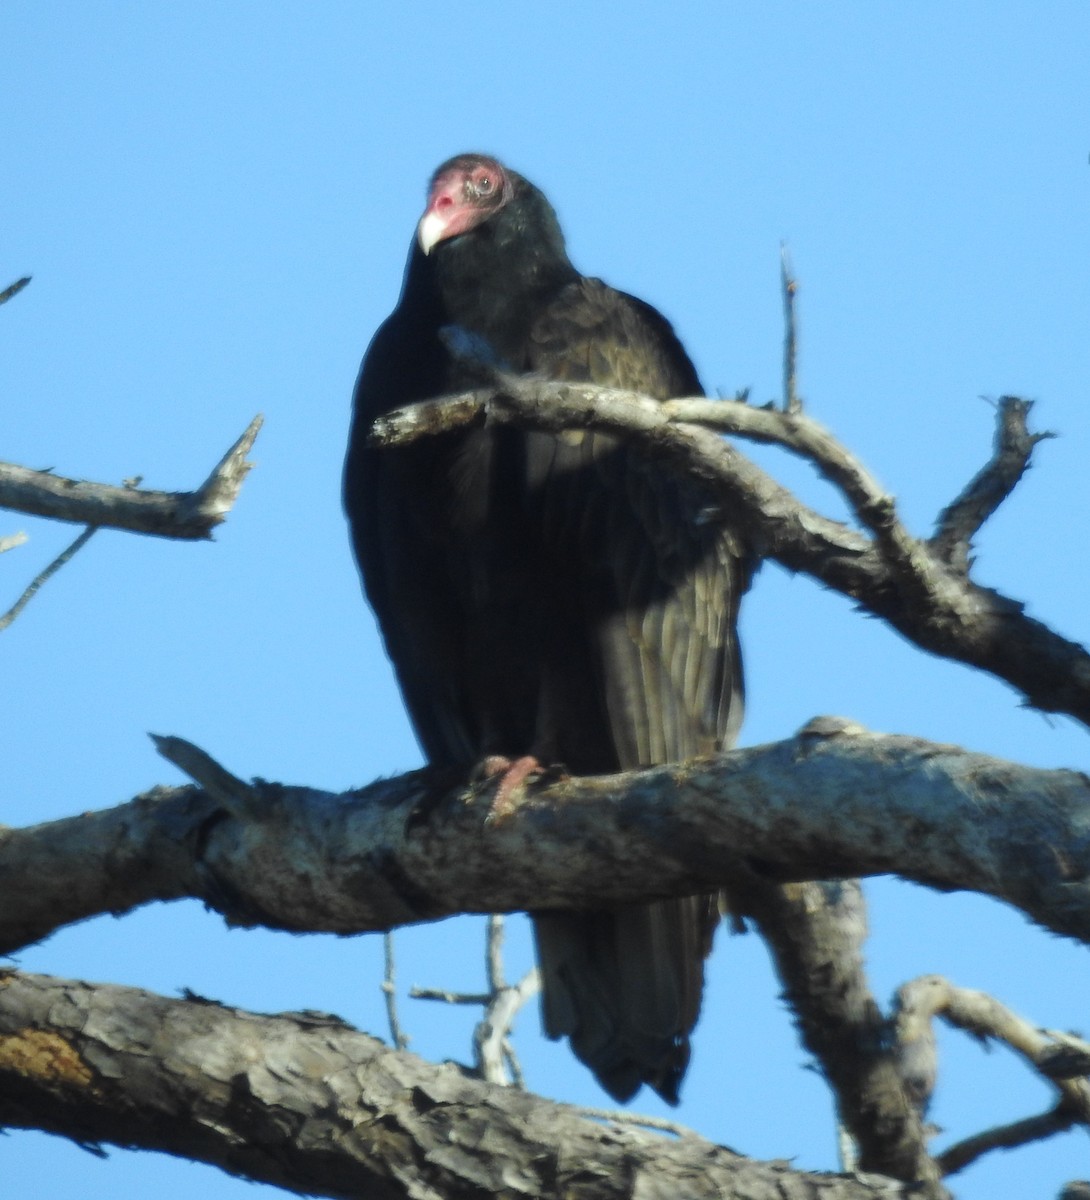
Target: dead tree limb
x,y
13,289
43,576
909,582
822,805
815,933
1061,1059
304,1102
186,515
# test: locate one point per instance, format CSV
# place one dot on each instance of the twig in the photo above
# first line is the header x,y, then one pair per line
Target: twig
x,y
555,406
619,1117
494,952
513,1065
1005,1137
444,997
961,520
792,404
11,541
493,1051
872,505
13,289
47,573
389,991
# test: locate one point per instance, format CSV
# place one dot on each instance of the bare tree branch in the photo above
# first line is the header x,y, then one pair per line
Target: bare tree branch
x,y
11,541
872,505
817,806
1007,1137
815,932
891,574
493,954
13,289
187,515
920,1001
493,1054
961,520
789,287
44,575
306,1103
389,991
442,996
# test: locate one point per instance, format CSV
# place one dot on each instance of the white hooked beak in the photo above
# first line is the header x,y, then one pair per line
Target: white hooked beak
x,y
431,229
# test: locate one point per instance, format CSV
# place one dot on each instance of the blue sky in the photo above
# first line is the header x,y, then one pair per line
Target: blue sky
x,y
215,201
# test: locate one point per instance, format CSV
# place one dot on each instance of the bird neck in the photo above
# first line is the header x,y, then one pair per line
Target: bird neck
x,y
494,280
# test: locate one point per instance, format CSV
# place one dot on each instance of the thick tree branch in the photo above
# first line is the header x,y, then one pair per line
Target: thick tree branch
x,y
891,574
304,1102
822,805
187,515
815,932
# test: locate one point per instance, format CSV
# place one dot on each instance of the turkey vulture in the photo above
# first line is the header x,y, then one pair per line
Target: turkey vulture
x,y
553,596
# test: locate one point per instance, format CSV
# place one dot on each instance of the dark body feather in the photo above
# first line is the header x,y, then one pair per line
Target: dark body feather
x,y
552,596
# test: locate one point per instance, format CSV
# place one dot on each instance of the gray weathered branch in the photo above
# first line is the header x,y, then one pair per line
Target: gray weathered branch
x,y
44,575
1062,1059
822,805
304,1102
493,1054
961,520
187,515
13,289
815,934
915,585
792,402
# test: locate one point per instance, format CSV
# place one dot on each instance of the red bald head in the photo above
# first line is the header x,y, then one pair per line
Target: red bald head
x,y
463,192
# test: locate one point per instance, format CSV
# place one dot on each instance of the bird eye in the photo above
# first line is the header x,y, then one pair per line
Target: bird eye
x,y
484,185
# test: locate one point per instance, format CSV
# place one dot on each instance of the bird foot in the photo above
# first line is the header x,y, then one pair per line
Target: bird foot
x,y
513,773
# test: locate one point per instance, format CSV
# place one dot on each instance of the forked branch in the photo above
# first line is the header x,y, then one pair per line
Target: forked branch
x,y
186,515
1061,1059
885,569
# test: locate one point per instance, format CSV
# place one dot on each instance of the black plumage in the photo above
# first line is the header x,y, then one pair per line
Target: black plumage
x,y
554,596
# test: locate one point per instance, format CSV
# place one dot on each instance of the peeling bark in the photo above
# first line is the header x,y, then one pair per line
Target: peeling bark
x,y
309,1104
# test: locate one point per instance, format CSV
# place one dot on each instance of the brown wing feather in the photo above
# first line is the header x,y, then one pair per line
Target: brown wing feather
x,y
660,591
